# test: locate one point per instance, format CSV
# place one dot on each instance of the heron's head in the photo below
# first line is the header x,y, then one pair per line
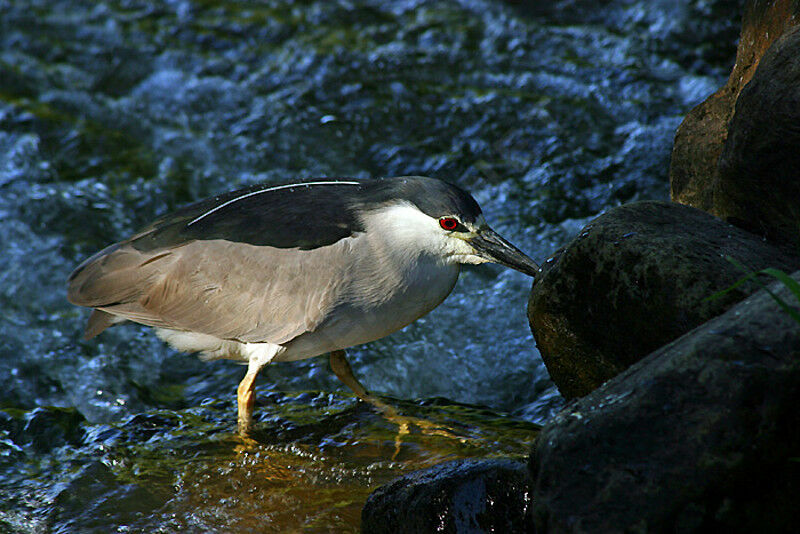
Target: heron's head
x,y
441,219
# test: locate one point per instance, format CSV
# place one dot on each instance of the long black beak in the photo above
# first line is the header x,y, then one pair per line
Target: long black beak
x,y
494,248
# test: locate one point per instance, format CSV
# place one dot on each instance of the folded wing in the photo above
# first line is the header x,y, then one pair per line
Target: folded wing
x,y
224,289
256,265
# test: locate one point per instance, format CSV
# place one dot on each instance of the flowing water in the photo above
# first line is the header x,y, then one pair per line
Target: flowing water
x,y
114,112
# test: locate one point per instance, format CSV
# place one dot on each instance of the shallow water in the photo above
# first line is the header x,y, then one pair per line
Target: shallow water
x,y
310,466
112,113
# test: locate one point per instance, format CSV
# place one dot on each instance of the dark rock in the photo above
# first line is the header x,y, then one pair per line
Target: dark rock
x,y
636,278
95,499
702,435
49,427
459,496
759,169
694,174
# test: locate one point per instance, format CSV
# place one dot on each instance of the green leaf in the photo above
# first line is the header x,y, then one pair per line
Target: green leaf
x,y
779,275
788,281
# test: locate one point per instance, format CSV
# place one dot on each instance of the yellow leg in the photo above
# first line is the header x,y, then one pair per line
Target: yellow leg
x,y
246,400
342,369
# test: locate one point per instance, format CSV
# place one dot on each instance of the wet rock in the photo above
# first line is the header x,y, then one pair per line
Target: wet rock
x,y
53,427
759,169
42,429
702,435
695,178
95,499
634,279
460,496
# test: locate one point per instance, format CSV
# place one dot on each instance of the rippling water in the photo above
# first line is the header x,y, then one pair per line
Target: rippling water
x,y
114,112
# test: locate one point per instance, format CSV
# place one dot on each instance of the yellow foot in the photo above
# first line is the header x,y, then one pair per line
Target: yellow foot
x,y
342,369
405,423
428,428
245,444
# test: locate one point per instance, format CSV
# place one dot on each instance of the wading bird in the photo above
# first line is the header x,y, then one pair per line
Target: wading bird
x,y
281,273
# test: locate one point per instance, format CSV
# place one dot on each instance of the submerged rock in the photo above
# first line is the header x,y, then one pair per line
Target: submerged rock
x,y
459,496
77,507
702,435
636,278
43,429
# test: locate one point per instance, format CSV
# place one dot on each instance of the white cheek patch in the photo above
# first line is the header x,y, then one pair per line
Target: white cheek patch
x,y
408,231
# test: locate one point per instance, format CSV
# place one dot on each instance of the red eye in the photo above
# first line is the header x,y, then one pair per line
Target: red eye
x,y
448,223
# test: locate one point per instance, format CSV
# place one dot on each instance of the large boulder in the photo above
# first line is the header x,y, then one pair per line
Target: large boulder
x,y
759,169
766,112
634,279
702,435
458,496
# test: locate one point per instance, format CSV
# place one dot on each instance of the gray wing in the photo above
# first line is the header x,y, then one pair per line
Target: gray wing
x,y
225,289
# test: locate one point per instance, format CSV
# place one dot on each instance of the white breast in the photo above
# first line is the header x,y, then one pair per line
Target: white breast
x,y
398,274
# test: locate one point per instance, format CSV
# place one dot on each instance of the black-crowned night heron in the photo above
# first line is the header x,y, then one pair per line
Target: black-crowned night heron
x,y
280,273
